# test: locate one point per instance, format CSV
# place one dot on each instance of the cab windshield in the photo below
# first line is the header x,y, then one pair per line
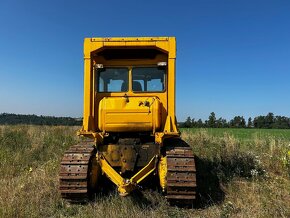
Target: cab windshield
x,y
144,79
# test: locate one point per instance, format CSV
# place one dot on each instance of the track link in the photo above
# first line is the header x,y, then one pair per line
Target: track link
x,y
75,171
181,175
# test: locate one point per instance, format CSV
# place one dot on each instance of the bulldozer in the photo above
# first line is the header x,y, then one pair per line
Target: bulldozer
x,y
129,132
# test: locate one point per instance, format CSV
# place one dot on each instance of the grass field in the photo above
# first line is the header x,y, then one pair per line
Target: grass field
x,y
245,134
241,173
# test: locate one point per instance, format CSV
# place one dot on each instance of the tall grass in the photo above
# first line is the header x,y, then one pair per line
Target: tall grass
x,y
236,178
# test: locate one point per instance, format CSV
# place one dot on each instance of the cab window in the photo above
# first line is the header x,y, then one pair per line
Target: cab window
x,y
148,79
112,80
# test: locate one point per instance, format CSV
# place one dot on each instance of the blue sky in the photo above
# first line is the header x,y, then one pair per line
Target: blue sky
x,y
233,57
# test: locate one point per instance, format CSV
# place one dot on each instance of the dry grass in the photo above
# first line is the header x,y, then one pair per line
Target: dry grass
x,y
236,178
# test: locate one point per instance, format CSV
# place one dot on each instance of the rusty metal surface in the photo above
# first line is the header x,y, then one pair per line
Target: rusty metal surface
x,y
74,172
181,175
129,155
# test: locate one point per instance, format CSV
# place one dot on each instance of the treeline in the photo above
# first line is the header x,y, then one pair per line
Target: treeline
x,y
263,122
6,118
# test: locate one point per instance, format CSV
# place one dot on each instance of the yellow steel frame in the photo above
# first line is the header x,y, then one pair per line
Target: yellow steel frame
x,y
125,186
162,172
91,99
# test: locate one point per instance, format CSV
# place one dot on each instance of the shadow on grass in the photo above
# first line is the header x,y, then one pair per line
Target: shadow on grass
x,y
142,201
212,175
209,191
139,197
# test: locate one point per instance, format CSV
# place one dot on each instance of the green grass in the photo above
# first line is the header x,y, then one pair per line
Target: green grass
x,y
241,173
245,134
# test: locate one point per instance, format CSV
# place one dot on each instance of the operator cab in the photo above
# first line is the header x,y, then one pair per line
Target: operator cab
x,y
130,90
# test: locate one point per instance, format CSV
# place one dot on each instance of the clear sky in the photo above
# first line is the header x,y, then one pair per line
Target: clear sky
x,y
233,57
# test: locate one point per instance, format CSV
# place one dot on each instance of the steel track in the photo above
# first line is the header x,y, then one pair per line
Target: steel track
x,y
74,172
181,175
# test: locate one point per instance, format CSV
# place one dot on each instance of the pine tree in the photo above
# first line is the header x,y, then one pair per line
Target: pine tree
x,y
250,123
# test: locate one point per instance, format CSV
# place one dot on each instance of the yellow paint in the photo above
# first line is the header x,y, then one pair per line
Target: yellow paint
x,y
162,172
117,179
118,115
125,186
144,172
94,174
102,114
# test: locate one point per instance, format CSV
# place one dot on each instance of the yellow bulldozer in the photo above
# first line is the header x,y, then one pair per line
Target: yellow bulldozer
x,y
129,122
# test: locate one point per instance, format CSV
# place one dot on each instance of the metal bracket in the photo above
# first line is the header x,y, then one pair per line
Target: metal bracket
x,y
125,186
